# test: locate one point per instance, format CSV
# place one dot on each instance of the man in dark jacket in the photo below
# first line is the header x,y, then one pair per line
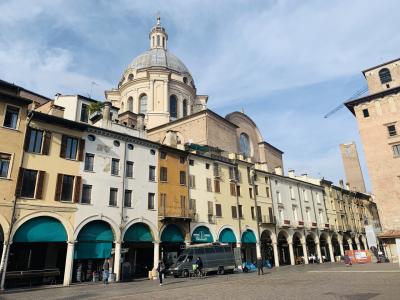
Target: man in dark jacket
x,y
161,271
260,266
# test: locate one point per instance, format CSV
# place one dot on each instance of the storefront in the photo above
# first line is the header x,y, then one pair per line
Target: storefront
x,y
228,237
283,249
37,254
249,241
93,247
172,244
202,235
267,250
139,258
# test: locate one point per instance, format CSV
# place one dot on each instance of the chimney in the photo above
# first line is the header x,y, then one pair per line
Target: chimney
x,y
140,122
171,139
341,184
106,110
278,170
291,174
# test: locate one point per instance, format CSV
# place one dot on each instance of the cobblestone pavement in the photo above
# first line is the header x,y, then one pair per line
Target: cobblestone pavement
x,y
324,281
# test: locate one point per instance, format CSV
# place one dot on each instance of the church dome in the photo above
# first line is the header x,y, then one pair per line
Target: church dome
x,y
158,57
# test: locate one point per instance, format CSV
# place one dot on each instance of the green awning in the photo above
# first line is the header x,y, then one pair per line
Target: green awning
x,y
94,241
227,236
41,229
172,234
202,235
249,237
138,232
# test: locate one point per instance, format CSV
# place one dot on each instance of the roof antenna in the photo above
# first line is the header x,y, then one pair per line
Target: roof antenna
x,y
242,110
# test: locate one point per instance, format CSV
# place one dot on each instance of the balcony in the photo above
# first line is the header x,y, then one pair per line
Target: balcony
x,y
211,219
311,225
268,220
284,223
176,213
300,224
324,226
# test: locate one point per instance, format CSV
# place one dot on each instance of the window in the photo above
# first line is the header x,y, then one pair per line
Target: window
x,y
89,160
210,206
128,198
192,204
209,188
384,75
218,210
271,215
392,130
4,164
253,216
318,198
182,159
266,179
184,79
11,117
294,209
163,200
67,188
143,104
207,166
217,187
292,193
114,166
158,41
305,197
152,173
113,197
71,147
396,150
192,181
278,197
130,103
191,162
281,215
84,113
267,191
28,183
231,173
233,189
244,144
130,77
258,214
153,152
129,169
91,137
321,217
116,143
35,140
234,212
150,201
182,177
251,193
238,190
86,194
130,146
184,108
365,113
240,211
173,106
216,169
163,174
256,189
163,154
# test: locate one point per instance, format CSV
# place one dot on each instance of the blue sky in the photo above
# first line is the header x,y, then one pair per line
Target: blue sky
x,y
286,63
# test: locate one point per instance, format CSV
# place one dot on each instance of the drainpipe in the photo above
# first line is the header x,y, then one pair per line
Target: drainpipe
x,y
257,212
14,209
301,209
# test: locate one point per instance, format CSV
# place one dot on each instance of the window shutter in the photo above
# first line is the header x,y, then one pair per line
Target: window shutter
x,y
63,146
46,143
57,196
39,185
27,137
77,189
81,149
19,182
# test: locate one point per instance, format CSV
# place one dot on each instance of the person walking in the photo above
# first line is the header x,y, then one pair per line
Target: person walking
x,y
106,270
161,271
260,266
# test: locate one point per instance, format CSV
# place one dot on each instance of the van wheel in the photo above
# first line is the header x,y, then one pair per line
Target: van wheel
x,y
185,273
221,271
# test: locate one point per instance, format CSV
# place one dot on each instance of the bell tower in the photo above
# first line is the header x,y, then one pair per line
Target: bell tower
x,y
158,36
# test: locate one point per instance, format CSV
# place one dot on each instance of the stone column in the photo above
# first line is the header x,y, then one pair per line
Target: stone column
x,y
318,246
166,97
276,254
117,261
331,254
150,98
69,262
291,254
305,254
258,250
341,248
350,244
156,255
358,246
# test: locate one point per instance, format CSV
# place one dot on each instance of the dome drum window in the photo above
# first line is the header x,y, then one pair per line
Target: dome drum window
x,y
130,77
384,75
130,146
153,152
244,143
116,143
173,106
91,137
143,104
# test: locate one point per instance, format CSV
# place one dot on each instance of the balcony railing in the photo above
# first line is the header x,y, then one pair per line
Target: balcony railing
x,y
284,223
176,212
300,224
211,219
268,220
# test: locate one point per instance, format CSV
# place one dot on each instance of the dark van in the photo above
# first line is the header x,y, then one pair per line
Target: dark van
x,y
216,258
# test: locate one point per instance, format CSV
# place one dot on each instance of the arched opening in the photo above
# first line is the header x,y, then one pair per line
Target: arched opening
x,y
130,104
228,237
38,253
184,108
283,249
93,247
311,249
354,243
143,104
298,249
335,245
384,75
158,41
244,144
267,250
130,77
1,242
202,235
323,243
362,246
173,106
172,243
249,241
122,107
139,258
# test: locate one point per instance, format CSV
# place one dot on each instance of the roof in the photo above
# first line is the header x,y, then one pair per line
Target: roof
x,y
58,121
351,104
381,65
273,147
11,97
20,88
390,234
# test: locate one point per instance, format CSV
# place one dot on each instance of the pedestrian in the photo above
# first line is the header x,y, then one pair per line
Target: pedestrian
x,y
199,264
347,260
260,266
106,269
161,271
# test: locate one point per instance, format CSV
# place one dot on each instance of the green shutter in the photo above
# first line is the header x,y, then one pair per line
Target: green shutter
x,y
227,236
41,229
249,237
138,232
172,234
202,235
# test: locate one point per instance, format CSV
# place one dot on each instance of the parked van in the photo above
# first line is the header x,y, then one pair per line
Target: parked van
x,y
216,257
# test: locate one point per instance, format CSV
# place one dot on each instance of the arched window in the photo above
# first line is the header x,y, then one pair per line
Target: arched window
x,y
163,42
153,42
384,75
130,104
130,77
244,144
184,79
184,108
122,107
143,104
158,41
173,106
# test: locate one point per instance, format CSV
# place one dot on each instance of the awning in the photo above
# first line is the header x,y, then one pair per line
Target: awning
x,y
138,232
94,241
172,234
41,229
202,235
249,237
227,236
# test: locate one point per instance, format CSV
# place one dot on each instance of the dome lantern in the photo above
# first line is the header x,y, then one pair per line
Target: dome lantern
x,y
158,36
